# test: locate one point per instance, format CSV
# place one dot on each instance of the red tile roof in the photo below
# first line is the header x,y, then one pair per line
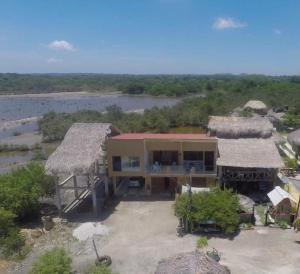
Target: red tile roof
x,y
161,136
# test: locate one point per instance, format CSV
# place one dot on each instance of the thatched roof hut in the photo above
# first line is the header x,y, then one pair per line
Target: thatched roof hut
x,y
248,153
294,138
256,106
239,127
190,263
81,149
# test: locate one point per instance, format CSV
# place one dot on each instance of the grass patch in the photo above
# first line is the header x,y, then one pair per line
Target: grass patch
x,y
49,148
202,242
260,209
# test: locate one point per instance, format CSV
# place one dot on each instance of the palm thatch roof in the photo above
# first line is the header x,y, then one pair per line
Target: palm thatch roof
x,y
239,127
255,105
190,263
248,153
80,150
294,138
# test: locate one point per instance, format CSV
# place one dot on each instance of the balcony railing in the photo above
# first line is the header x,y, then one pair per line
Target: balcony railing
x,y
176,170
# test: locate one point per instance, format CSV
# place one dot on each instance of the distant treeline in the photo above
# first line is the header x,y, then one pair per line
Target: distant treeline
x,y
191,112
167,85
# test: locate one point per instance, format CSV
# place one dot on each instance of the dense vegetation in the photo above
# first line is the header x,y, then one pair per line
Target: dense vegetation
x,y
22,188
53,261
19,198
169,85
190,112
218,206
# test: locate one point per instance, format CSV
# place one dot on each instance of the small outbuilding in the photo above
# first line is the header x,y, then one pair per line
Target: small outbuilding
x,y
80,161
256,106
294,139
282,204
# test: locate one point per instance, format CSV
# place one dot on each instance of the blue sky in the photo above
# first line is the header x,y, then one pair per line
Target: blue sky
x,y
150,36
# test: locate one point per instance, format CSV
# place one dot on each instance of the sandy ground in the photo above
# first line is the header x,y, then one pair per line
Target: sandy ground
x,y
5,125
144,232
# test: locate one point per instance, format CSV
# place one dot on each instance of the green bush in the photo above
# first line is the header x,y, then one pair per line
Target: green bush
x,y
12,243
290,163
283,225
218,206
21,189
6,222
99,270
202,242
55,261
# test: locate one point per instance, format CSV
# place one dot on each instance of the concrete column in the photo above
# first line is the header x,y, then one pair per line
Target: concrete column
x,y
106,185
94,198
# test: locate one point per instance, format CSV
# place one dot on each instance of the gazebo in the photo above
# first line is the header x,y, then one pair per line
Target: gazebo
x,y
190,263
81,154
256,106
248,160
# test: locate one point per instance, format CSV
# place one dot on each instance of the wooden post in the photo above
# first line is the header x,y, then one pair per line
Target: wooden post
x,y
58,198
94,198
75,187
106,185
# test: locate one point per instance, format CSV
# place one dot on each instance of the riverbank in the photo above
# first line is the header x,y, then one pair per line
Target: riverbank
x,y
62,94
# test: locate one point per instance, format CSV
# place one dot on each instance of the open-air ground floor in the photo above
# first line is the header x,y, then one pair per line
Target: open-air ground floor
x,y
142,232
159,184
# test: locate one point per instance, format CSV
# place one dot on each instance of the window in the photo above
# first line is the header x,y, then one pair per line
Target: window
x,y
134,162
209,159
126,163
116,162
193,155
130,163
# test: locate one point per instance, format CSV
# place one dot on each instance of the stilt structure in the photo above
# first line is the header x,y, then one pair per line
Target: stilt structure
x,y
79,165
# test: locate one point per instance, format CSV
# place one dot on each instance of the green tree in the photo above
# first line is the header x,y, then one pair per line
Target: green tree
x,y
22,188
219,206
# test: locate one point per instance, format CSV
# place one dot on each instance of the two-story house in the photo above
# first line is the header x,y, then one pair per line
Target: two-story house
x,y
162,162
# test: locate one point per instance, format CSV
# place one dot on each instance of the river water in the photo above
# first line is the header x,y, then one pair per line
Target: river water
x,y
15,108
19,107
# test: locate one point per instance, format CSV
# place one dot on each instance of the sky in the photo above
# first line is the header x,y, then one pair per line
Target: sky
x,y
150,36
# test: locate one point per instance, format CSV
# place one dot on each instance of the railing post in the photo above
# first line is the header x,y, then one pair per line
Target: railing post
x,y
75,187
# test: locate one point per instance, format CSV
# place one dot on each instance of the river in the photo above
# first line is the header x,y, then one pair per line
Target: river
x,y
19,114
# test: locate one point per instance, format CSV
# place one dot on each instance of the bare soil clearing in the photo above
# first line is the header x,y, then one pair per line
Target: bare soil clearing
x,y
141,233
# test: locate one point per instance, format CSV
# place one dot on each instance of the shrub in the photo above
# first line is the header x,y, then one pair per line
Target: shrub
x,y
55,261
202,242
6,222
283,225
99,270
12,243
11,240
290,163
297,225
218,206
21,189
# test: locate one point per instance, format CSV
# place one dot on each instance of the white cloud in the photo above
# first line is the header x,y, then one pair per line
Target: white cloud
x,y
53,60
277,31
222,23
61,45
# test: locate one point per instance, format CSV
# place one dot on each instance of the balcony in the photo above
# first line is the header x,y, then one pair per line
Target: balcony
x,y
188,168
